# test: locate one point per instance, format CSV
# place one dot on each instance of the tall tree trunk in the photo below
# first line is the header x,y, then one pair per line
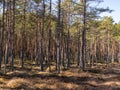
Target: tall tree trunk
x,y
8,34
68,49
113,53
58,36
2,34
42,38
6,39
68,35
78,63
49,41
84,35
23,35
36,43
63,44
108,48
12,35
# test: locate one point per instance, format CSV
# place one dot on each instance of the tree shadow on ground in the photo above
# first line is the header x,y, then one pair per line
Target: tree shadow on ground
x,y
99,71
81,81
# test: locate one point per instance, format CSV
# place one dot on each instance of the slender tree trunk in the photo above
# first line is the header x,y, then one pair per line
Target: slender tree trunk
x,y
58,36
12,35
36,42
6,57
8,35
49,50
23,36
84,35
42,38
6,38
49,41
108,48
78,63
113,52
36,51
62,46
68,36
2,34
68,49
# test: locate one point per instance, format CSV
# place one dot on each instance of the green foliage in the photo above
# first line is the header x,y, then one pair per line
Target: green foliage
x,y
106,23
116,31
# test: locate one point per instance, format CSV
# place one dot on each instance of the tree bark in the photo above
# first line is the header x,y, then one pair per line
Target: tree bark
x,y
23,35
42,38
58,36
12,35
84,35
2,34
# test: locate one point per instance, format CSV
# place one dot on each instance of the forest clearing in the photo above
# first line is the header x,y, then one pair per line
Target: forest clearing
x,y
59,45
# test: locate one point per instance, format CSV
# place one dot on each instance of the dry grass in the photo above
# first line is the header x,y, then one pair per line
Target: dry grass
x,y
116,83
19,83
42,86
2,81
53,68
72,79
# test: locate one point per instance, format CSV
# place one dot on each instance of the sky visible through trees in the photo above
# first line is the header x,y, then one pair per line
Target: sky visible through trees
x,y
114,5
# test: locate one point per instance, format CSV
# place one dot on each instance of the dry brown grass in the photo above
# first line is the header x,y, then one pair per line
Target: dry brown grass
x,y
19,83
72,79
42,86
110,83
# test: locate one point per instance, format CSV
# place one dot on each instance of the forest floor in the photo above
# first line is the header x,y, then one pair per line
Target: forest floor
x,y
99,77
